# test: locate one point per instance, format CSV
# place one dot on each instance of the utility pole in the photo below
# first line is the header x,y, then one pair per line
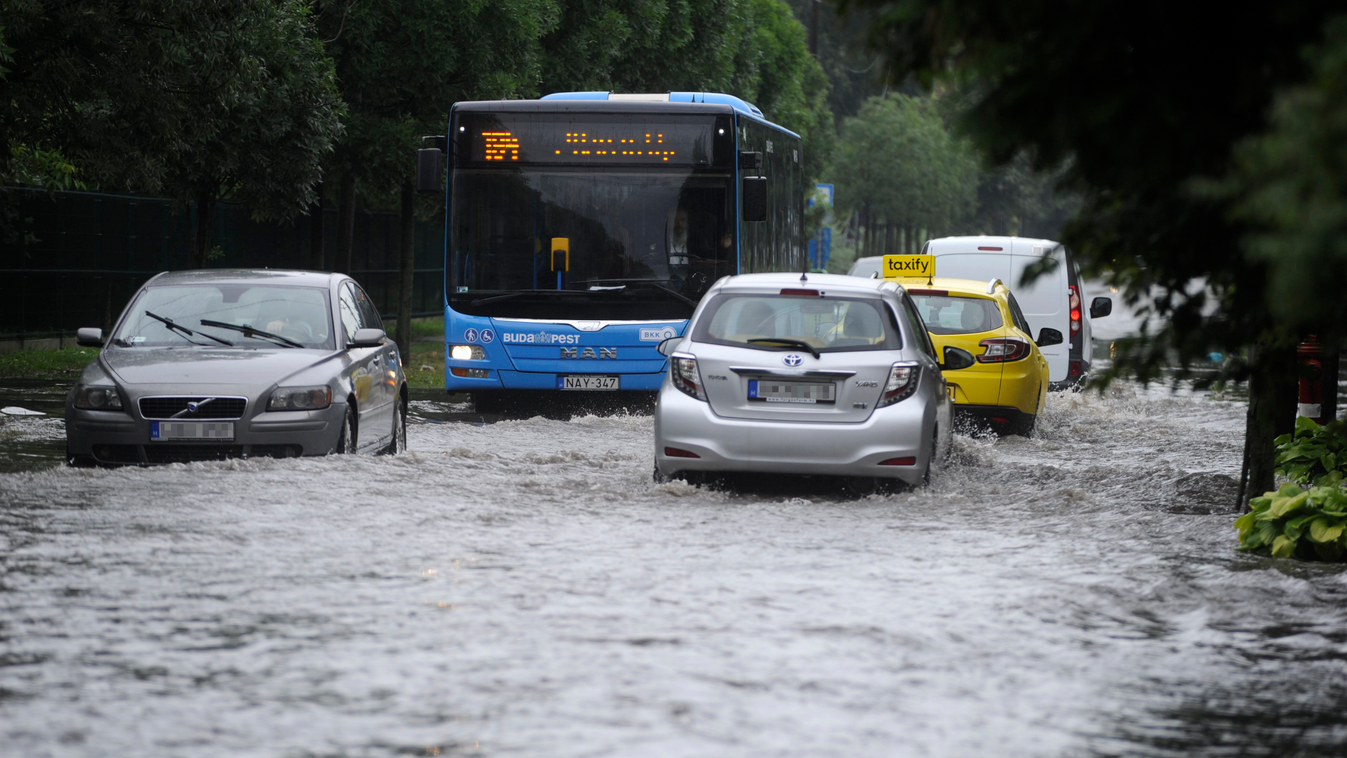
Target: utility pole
x,y
813,27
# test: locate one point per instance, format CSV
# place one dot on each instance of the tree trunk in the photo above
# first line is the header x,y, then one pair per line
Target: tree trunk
x,y
316,232
1271,374
345,223
404,335
205,215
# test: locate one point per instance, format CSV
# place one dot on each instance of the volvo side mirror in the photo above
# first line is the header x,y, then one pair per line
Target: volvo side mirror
x,y
957,358
367,338
89,337
1048,336
1101,307
755,198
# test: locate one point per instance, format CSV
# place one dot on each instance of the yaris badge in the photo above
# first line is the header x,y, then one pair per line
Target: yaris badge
x,y
792,360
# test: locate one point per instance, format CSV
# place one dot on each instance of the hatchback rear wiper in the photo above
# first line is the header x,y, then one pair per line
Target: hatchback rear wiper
x,y
788,342
248,331
176,327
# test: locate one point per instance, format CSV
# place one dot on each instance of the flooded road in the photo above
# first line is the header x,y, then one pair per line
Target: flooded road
x,y
522,588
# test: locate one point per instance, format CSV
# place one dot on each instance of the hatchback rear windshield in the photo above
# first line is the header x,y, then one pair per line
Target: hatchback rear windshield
x,y
827,324
957,315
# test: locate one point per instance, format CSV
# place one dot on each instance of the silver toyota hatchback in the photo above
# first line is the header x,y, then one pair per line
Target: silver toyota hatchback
x,y
815,374
215,364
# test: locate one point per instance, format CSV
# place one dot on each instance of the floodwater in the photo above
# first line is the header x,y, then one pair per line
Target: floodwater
x,y
522,588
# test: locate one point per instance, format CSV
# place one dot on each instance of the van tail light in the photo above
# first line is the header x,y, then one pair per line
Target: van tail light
x,y
685,376
902,384
1075,369
1074,296
1003,350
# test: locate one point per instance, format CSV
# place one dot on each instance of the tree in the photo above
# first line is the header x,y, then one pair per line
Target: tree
x,y
1148,121
190,98
902,171
400,66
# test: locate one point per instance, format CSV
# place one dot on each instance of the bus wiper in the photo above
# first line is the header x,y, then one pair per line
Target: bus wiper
x,y
646,282
186,333
788,342
248,331
518,293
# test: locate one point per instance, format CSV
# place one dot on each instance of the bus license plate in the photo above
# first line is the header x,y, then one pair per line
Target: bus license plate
x,y
587,382
191,430
805,393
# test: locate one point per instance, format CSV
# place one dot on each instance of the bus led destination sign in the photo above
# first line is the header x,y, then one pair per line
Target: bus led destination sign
x,y
495,141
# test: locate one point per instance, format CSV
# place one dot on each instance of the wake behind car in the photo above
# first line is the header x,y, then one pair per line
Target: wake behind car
x,y
815,375
205,365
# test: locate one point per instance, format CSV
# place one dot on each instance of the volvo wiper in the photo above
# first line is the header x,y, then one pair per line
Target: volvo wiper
x,y
787,342
186,333
248,331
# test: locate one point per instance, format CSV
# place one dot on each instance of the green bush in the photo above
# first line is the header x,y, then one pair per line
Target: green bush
x,y
1312,451
1299,523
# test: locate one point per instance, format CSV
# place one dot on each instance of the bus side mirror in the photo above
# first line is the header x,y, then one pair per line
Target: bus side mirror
x,y
429,170
755,198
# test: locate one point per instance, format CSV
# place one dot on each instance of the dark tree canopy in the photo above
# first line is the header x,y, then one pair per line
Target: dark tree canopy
x,y
1146,100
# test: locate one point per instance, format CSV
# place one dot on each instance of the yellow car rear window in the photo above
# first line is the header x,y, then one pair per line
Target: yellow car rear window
x,y
946,314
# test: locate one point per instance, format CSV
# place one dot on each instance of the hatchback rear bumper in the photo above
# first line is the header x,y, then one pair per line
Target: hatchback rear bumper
x,y
747,445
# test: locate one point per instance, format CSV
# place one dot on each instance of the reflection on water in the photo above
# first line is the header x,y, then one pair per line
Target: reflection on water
x,y
31,442
519,586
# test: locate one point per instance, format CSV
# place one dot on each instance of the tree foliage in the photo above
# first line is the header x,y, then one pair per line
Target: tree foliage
x,y
898,162
1143,115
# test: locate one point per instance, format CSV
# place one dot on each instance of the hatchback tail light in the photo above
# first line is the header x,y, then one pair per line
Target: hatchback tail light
x,y
1003,350
1074,296
902,383
683,371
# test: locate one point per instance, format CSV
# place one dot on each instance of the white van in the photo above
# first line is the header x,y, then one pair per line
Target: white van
x,y
1053,300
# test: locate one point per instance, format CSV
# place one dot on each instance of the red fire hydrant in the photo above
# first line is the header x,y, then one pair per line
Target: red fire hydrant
x,y
1310,355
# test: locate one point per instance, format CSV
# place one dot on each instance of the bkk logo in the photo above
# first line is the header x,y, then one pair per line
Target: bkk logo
x,y
658,335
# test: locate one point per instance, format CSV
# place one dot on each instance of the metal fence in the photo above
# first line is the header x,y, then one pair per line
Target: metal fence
x,y
77,257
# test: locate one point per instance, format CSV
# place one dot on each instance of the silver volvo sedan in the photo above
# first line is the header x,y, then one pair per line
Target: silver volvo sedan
x,y
213,364
815,374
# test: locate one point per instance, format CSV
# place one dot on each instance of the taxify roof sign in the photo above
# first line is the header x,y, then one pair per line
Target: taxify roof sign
x,y
909,266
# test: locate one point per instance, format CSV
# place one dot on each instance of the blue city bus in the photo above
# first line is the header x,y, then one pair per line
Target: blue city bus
x,y
582,228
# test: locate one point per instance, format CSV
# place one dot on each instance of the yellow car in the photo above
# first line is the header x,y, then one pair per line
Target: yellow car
x,y
1006,387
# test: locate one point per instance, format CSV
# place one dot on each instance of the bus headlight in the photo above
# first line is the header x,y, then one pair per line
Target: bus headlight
x,y
467,352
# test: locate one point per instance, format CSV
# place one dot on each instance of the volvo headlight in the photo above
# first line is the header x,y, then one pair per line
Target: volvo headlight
x,y
300,398
98,398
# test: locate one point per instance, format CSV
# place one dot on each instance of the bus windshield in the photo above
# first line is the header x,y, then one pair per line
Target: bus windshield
x,y
587,243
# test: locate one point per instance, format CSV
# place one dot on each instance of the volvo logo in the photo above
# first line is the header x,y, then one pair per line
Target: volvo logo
x,y
792,360
192,407
609,353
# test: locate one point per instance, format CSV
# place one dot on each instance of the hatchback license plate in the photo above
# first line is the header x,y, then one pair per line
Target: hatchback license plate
x,y
161,431
588,382
807,393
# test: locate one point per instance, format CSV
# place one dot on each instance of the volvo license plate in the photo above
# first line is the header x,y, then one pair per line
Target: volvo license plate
x,y
161,431
776,391
587,382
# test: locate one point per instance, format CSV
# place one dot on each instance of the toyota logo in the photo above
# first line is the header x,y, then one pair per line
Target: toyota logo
x,y
792,360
